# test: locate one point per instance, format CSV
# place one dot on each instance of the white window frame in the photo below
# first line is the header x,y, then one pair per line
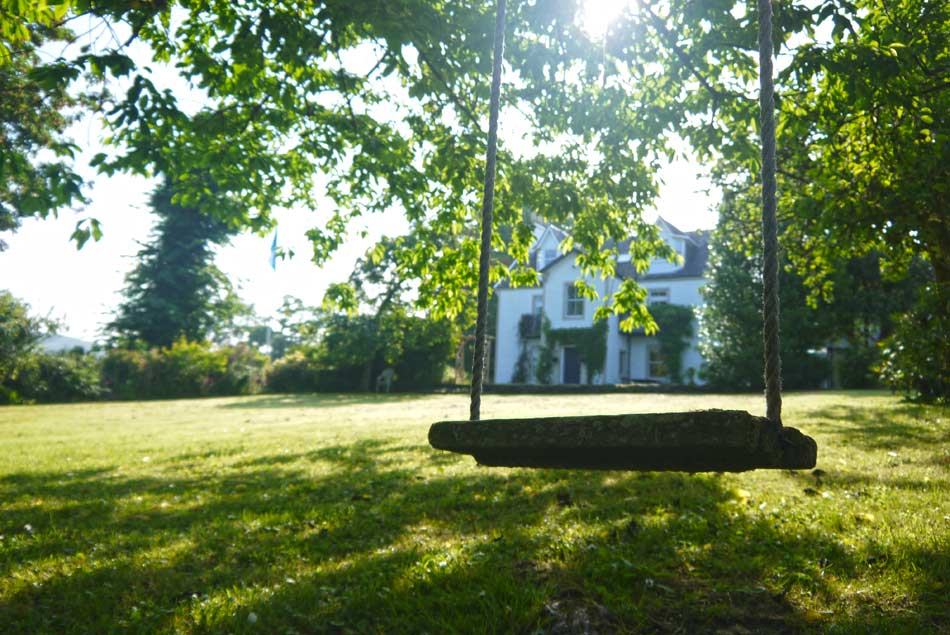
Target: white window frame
x,y
575,301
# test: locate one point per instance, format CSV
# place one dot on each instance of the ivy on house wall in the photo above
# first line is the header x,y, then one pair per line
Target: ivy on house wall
x,y
591,345
545,365
522,367
675,324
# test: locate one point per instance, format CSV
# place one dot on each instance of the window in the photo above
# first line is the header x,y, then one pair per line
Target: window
x,y
546,257
658,296
573,302
656,366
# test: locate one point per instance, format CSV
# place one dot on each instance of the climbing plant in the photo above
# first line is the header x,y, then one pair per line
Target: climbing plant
x,y
675,328
591,345
542,370
522,367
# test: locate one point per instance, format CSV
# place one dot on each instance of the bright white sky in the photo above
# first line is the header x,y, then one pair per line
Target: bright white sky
x,y
82,288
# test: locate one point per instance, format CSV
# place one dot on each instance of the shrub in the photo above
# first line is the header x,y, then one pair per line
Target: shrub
x,y
522,367
355,349
58,378
245,371
19,334
676,328
296,372
125,374
855,367
184,369
915,359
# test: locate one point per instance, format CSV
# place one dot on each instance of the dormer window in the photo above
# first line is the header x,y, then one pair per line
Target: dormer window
x,y
546,257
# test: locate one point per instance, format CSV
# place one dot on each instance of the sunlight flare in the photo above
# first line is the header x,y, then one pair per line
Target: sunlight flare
x,y
596,16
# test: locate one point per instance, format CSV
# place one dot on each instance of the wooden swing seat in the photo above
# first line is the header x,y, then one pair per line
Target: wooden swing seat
x,y
698,441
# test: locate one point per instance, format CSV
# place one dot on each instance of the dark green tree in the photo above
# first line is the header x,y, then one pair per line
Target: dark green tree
x,y
854,317
175,290
865,307
731,322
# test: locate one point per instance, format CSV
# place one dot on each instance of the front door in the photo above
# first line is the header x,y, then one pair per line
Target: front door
x,y
571,365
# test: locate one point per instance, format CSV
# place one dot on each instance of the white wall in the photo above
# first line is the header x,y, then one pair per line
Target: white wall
x,y
683,291
512,304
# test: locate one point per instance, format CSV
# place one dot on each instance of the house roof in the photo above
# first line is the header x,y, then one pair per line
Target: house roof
x,y
694,261
695,258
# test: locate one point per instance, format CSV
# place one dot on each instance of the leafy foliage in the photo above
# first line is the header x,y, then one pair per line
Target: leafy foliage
x,y
522,366
674,330
57,378
296,372
297,325
175,290
357,348
20,333
293,93
916,357
36,171
874,108
354,349
731,323
859,312
184,369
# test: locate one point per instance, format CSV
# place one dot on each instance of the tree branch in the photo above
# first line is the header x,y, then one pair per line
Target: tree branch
x,y
452,96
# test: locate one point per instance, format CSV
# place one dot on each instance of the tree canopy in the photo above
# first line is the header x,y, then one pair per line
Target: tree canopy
x,y
385,101
36,171
380,104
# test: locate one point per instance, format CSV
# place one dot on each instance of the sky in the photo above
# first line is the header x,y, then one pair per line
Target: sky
x,y
81,288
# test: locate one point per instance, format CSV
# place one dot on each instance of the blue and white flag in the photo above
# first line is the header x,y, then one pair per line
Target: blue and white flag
x,y
273,252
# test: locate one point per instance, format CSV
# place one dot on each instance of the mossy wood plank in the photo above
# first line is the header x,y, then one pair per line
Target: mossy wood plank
x,y
700,441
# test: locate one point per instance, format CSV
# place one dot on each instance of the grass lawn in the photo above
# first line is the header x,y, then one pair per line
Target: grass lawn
x,y
330,514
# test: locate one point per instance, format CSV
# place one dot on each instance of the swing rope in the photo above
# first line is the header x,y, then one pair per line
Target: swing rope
x,y
770,331
770,304
488,196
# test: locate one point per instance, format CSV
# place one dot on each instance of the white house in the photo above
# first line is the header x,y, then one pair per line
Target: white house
x,y
629,356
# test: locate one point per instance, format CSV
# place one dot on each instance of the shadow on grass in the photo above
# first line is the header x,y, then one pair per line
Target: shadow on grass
x,y
318,400
884,428
351,539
